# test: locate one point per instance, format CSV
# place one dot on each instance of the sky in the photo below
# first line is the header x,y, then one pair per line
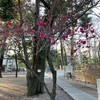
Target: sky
x,y
32,0
96,9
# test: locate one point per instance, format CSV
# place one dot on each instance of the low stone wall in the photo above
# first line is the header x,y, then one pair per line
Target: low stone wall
x,y
98,88
87,74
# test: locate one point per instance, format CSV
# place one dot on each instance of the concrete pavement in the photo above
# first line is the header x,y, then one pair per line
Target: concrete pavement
x,y
74,92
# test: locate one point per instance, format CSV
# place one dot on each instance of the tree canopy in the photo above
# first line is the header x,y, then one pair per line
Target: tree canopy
x,y
7,9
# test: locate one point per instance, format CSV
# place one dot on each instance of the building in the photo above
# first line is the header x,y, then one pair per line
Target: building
x,y
9,64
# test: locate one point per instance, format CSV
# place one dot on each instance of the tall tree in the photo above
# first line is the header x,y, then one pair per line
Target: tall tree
x,y
44,34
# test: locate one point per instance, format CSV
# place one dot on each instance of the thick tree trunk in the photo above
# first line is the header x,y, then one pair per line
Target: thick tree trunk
x,y
34,86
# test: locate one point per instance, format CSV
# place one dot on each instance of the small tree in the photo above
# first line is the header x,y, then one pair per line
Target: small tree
x,y
6,13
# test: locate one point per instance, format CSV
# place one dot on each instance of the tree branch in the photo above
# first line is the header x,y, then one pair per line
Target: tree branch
x,y
45,4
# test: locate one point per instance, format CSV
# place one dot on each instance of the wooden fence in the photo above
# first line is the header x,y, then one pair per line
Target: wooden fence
x,y
87,74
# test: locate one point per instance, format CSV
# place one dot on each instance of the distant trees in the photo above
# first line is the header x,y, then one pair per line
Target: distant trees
x,y
7,9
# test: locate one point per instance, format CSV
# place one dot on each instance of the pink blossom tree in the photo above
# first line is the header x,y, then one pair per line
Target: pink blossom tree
x,y
35,38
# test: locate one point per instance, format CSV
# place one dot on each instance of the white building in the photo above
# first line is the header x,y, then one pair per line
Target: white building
x,y
9,63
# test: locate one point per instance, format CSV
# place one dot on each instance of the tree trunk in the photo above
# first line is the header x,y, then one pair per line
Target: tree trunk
x,y
1,61
72,48
16,66
34,86
0,73
53,95
53,71
62,57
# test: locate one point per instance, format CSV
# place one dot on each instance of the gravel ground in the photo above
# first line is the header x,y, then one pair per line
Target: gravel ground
x,y
12,88
86,87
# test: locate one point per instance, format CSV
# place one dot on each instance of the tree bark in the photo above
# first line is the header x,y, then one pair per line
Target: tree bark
x,y
1,61
16,66
62,57
53,71
34,86
0,74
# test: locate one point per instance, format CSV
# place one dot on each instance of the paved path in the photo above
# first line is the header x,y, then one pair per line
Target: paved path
x,y
75,93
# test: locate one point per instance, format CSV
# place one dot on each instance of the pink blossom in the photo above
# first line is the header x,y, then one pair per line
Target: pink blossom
x,y
92,31
9,23
87,25
86,35
4,44
75,30
45,23
33,31
81,30
64,37
42,35
54,42
63,28
77,42
28,32
83,42
0,19
17,31
88,46
41,23
64,17
68,33
38,38
29,29
4,35
90,24
79,46
51,37
16,39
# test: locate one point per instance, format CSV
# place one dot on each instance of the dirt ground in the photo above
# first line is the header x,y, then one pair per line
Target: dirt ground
x,y
12,88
